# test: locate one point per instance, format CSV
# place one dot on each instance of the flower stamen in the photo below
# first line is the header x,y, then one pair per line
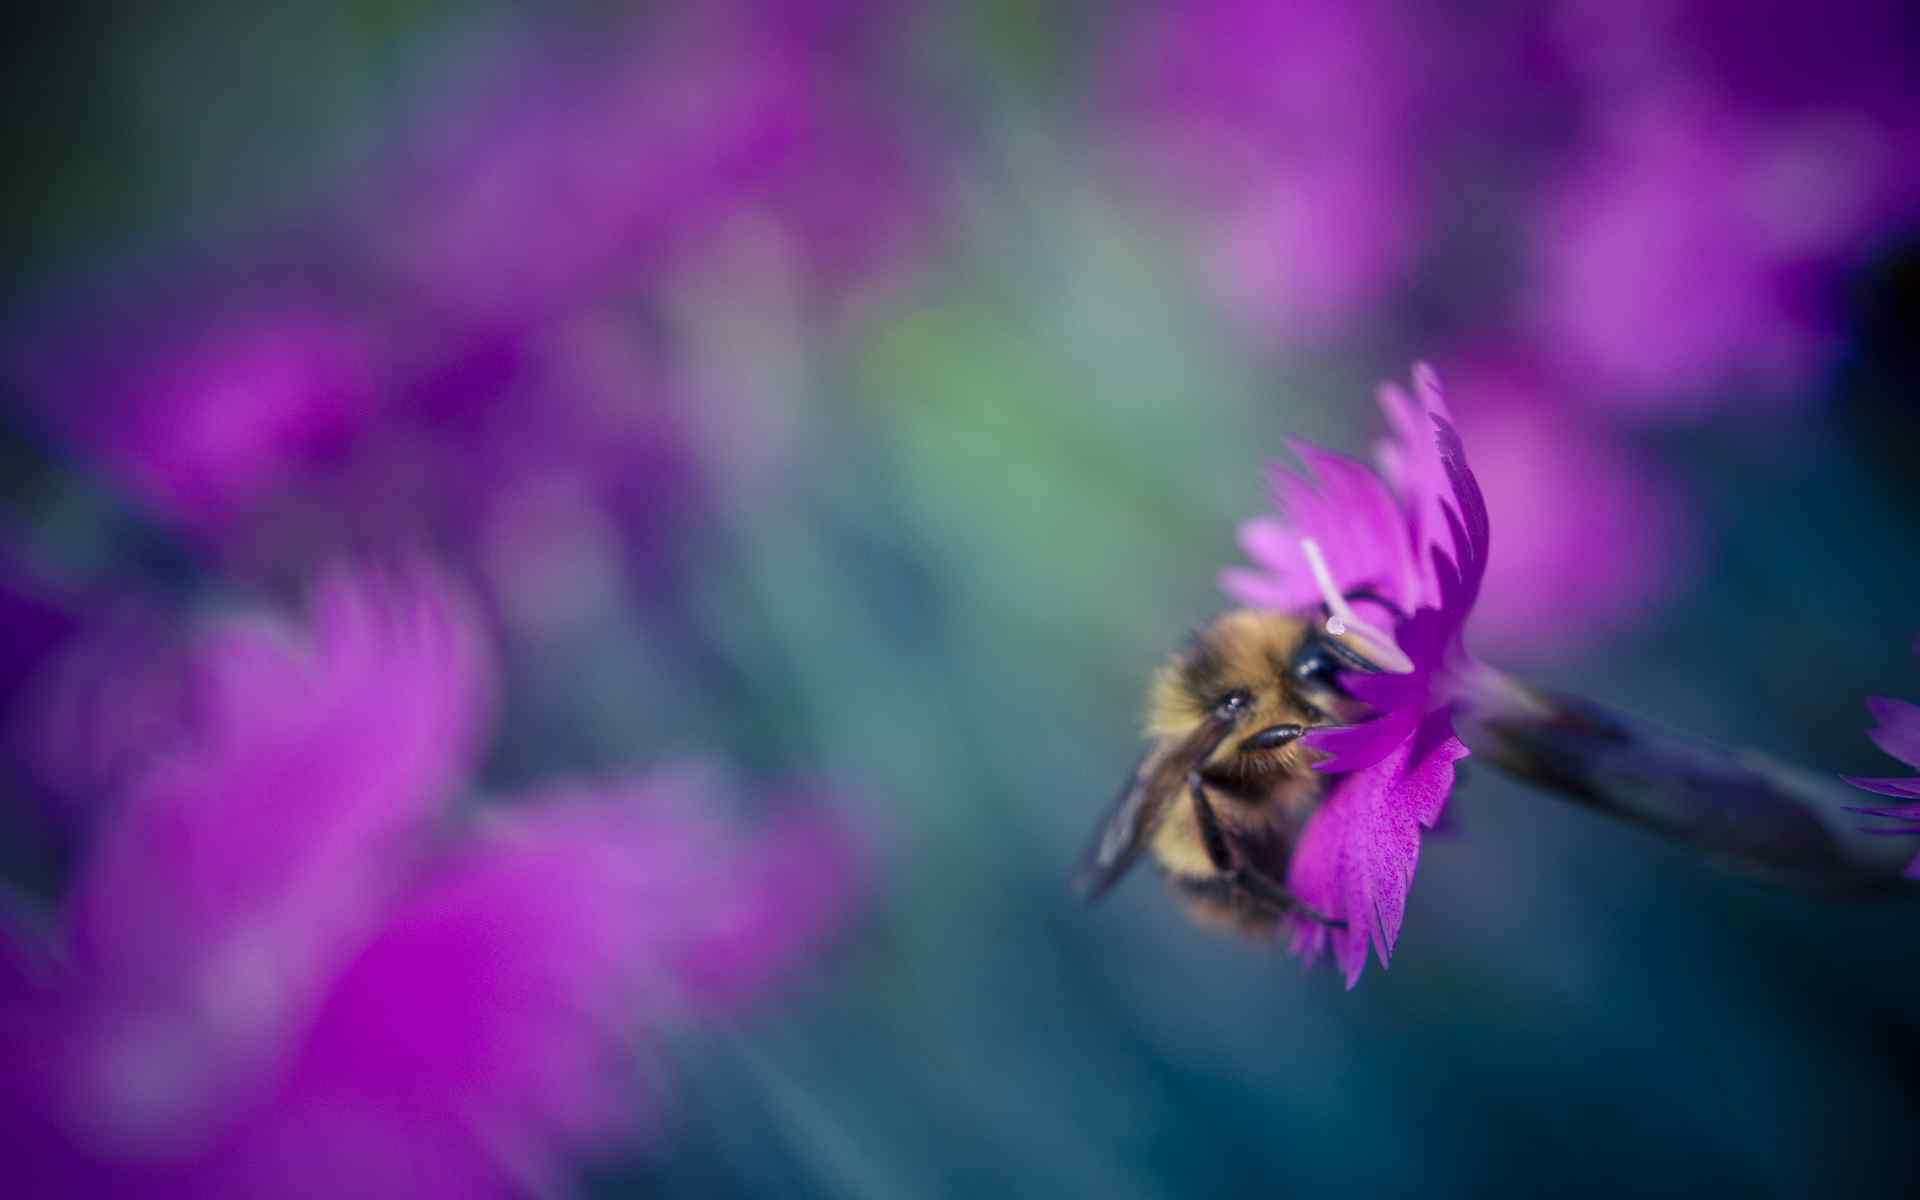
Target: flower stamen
x,y
1373,643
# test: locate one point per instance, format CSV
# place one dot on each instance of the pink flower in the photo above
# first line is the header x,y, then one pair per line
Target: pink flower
x,y
1592,540
577,177
284,967
1898,733
1676,255
1410,548
1739,162
203,411
500,343
1286,135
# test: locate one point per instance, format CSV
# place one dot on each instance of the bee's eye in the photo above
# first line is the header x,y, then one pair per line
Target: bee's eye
x,y
1319,662
1315,666
1233,703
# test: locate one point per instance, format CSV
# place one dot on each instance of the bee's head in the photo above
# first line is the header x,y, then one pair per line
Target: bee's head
x,y
1263,678
1321,659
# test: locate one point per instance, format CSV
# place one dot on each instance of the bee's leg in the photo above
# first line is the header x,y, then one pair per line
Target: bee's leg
x,y
1220,853
1281,898
1212,836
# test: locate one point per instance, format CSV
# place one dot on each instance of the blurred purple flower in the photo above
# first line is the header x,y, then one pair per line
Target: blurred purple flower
x,y
1771,59
1898,733
114,698
91,688
574,176
1742,158
1591,539
283,968
1688,251
1287,134
1417,550
551,465
527,408
202,410
283,438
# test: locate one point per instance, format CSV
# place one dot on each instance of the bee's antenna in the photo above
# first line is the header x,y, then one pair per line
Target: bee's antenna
x,y
1342,621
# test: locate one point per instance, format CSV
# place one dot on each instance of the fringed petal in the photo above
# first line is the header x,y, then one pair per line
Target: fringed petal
x,y
1357,857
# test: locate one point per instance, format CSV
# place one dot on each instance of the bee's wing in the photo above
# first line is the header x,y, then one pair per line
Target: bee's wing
x,y
1155,784
1118,842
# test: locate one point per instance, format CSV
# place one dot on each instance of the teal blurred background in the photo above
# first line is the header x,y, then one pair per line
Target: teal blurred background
x,y
938,534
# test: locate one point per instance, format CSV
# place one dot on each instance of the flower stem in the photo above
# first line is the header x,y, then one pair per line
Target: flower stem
x,y
1739,808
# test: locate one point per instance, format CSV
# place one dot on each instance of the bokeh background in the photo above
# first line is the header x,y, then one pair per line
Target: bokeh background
x,y
868,393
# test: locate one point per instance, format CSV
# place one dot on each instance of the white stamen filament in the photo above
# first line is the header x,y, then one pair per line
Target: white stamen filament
x,y
1374,644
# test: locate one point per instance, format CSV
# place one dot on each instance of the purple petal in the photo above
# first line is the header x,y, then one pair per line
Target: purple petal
x,y
1576,562
485,1035
1348,509
477,1029
1279,134
231,880
1358,853
1467,516
114,700
1271,543
1426,384
1660,203
564,176
1354,517
1897,812
1400,701
1357,747
1899,730
1904,788
1280,578
1357,857
1387,690
1283,593
1410,460
202,410
791,886
1371,536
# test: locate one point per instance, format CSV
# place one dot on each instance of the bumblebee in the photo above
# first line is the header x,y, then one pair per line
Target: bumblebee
x,y
1224,789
